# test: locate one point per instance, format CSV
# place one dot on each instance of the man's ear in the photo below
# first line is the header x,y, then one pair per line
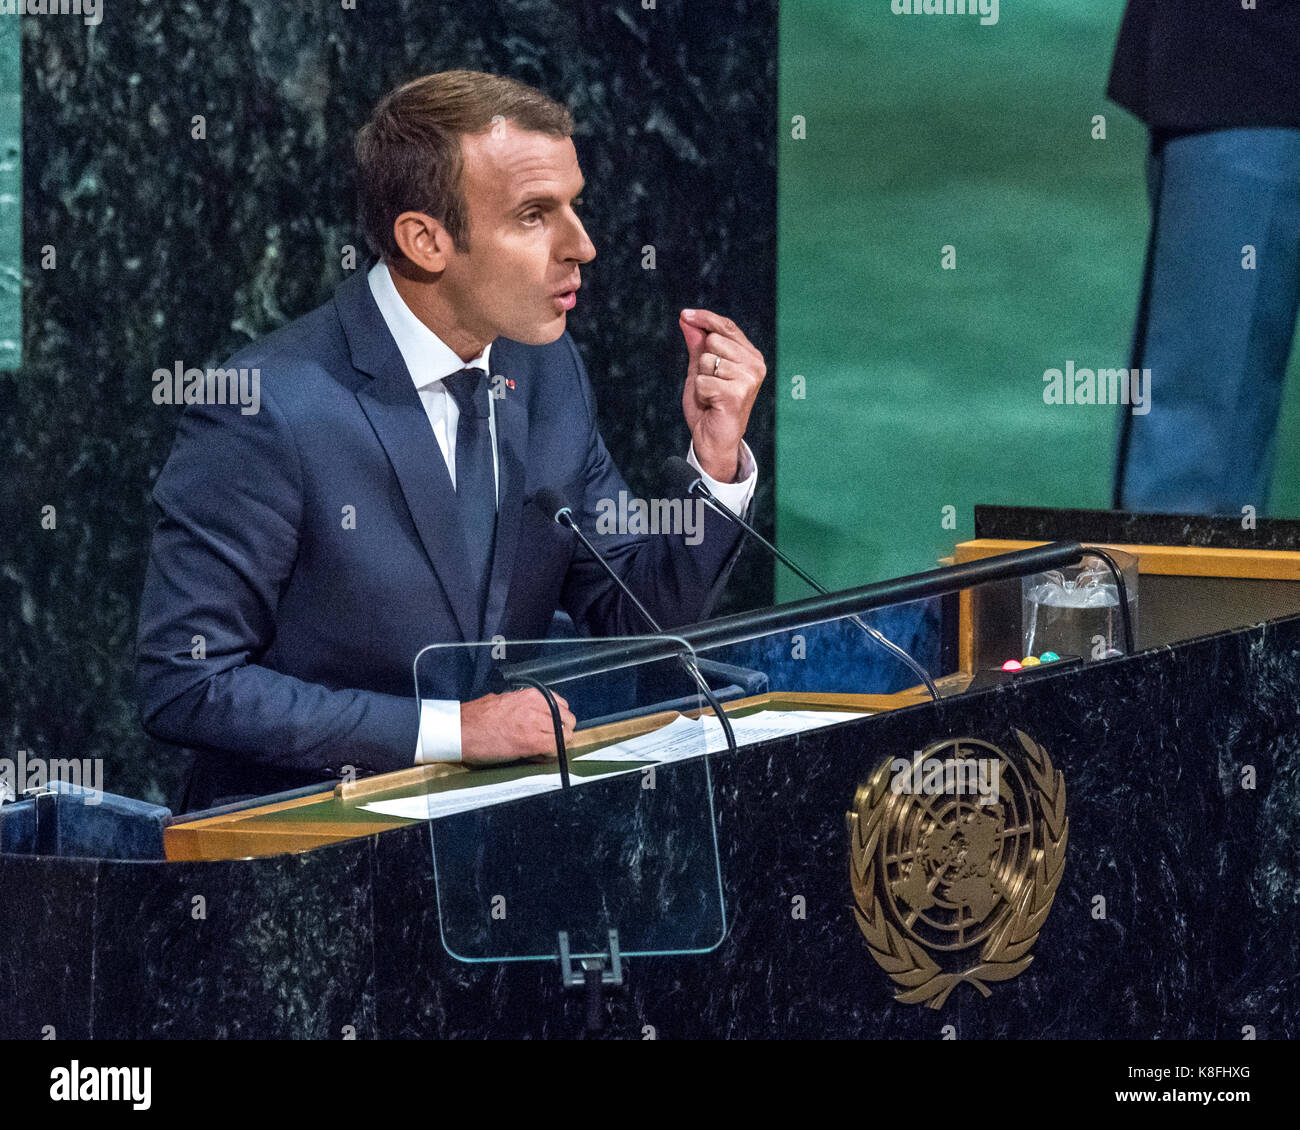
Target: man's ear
x,y
423,241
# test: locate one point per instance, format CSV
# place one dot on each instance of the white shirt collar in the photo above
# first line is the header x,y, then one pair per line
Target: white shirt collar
x,y
427,356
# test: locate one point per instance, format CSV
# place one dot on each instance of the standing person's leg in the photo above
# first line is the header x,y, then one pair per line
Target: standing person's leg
x,y
1215,335
1155,167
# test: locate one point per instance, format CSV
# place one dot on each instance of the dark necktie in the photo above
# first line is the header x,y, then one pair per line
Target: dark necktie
x,y
476,490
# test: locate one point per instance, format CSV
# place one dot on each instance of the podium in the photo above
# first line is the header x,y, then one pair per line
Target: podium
x,y
1134,876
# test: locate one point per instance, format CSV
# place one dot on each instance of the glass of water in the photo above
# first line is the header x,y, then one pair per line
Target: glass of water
x,y
1075,611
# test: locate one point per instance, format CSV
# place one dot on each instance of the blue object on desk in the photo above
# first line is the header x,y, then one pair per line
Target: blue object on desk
x,y
70,821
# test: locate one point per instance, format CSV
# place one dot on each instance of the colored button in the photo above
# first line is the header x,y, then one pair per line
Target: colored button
x,y
1011,665
1049,657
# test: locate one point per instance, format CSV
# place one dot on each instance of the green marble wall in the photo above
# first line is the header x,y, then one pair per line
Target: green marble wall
x,y
924,133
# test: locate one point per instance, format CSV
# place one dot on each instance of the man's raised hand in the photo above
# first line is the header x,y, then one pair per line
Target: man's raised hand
x,y
723,375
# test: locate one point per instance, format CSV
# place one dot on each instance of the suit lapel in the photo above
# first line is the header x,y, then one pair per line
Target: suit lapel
x,y
417,462
393,408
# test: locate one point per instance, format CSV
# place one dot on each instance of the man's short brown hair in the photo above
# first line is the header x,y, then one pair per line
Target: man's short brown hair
x,y
409,157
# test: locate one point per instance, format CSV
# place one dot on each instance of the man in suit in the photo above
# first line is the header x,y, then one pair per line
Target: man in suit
x,y
379,498
1216,83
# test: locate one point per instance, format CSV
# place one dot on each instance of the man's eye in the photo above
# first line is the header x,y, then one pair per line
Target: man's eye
x,y
529,217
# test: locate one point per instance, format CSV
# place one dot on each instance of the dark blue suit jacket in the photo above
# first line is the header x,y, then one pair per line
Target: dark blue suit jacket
x,y
309,628
1208,64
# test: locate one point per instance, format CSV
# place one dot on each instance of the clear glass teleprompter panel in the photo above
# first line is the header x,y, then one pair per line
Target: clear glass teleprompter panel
x,y
628,846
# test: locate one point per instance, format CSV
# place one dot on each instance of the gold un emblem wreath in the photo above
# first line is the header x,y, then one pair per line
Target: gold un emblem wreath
x,y
959,847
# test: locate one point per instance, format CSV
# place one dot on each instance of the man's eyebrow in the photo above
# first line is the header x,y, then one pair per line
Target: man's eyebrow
x,y
547,197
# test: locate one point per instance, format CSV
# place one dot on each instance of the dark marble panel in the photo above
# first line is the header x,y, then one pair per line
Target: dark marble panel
x,y
47,940
284,948
1041,523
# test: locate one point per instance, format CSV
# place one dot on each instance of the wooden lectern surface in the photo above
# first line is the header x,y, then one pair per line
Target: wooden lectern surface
x,y
305,822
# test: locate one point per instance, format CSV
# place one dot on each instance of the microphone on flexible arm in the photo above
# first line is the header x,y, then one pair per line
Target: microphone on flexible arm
x,y
553,503
682,478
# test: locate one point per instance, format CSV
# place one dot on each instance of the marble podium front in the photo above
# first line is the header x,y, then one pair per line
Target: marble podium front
x,y
1199,873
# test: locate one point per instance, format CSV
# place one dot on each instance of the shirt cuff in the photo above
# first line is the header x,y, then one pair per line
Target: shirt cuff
x,y
735,496
439,737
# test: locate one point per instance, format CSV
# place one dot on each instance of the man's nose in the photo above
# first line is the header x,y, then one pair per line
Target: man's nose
x,y
581,248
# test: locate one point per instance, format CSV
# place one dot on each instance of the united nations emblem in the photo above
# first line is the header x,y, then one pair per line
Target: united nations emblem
x,y
957,848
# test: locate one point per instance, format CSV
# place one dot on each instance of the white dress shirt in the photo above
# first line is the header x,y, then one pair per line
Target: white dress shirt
x,y
429,359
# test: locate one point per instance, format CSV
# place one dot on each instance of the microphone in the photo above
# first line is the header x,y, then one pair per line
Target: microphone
x,y
552,502
682,478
